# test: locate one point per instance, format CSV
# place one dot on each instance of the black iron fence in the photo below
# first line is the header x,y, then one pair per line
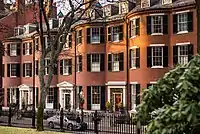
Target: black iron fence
x,y
95,122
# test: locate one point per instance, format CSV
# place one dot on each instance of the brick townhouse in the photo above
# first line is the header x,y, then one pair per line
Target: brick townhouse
x,y
110,58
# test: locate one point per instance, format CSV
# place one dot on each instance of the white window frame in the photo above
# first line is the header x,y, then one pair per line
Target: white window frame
x,y
13,49
26,71
96,106
45,63
66,45
133,58
178,22
50,100
91,35
95,66
116,33
153,24
115,63
185,56
66,67
152,54
11,64
166,2
133,96
27,48
133,28
123,7
46,41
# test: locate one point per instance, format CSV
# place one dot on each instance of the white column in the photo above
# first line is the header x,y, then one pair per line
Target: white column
x,y
108,94
124,96
61,97
20,99
72,98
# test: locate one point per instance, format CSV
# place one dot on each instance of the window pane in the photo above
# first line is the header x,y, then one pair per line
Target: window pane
x,y
183,54
95,62
95,95
115,31
133,27
13,69
13,49
157,24
182,22
133,94
95,35
133,58
50,95
115,62
157,59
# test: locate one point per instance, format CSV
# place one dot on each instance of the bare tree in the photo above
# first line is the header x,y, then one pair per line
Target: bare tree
x,y
77,10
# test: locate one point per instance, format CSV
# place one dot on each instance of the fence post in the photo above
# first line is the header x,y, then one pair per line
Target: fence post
x,y
9,116
61,120
96,122
138,130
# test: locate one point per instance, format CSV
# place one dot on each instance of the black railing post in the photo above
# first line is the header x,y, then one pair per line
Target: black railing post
x,y
96,122
9,116
61,120
138,130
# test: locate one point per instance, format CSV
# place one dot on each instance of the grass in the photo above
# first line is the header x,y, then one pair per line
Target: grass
x,y
14,130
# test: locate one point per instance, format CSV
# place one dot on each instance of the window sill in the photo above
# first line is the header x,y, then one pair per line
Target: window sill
x,y
132,37
133,68
115,71
13,76
95,71
182,32
154,67
66,74
27,76
13,55
154,34
66,48
95,43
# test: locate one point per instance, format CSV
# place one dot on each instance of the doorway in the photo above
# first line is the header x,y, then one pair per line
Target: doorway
x,y
117,101
67,101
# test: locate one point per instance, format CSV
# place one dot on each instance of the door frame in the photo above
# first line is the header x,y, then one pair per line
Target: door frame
x,y
69,101
116,93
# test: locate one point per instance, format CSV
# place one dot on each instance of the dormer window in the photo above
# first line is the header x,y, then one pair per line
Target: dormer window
x,y
166,2
145,3
18,31
107,11
123,8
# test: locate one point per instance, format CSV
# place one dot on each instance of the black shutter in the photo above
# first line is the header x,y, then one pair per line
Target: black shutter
x,y
109,62
103,98
165,56
121,32
138,26
23,48
149,57
138,57
88,36
137,94
190,52
130,58
149,25
8,49
70,66
175,23
109,34
80,35
121,61
37,67
89,98
18,70
8,97
80,63
18,49
190,21
165,24
102,62
88,62
102,37
37,96
55,101
61,67
24,69
130,29
70,41
8,70
17,96
3,68
31,70
175,55
30,47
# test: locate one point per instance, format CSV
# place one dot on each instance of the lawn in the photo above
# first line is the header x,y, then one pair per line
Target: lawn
x,y
14,130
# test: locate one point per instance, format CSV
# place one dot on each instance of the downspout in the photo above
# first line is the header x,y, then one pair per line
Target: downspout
x,y
127,67
75,74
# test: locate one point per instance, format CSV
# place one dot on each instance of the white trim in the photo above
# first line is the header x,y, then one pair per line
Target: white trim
x,y
157,67
135,17
157,14
133,83
134,47
153,82
154,34
185,11
156,45
184,43
133,68
182,32
65,84
121,83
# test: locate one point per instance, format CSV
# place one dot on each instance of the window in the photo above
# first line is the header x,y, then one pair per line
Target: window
x,y
115,33
79,36
145,3
46,63
135,57
68,43
66,67
28,69
36,44
123,7
79,63
50,95
46,41
27,48
157,24
95,62
95,34
115,62
133,96
182,22
135,27
157,56
13,70
166,2
183,54
13,49
96,95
